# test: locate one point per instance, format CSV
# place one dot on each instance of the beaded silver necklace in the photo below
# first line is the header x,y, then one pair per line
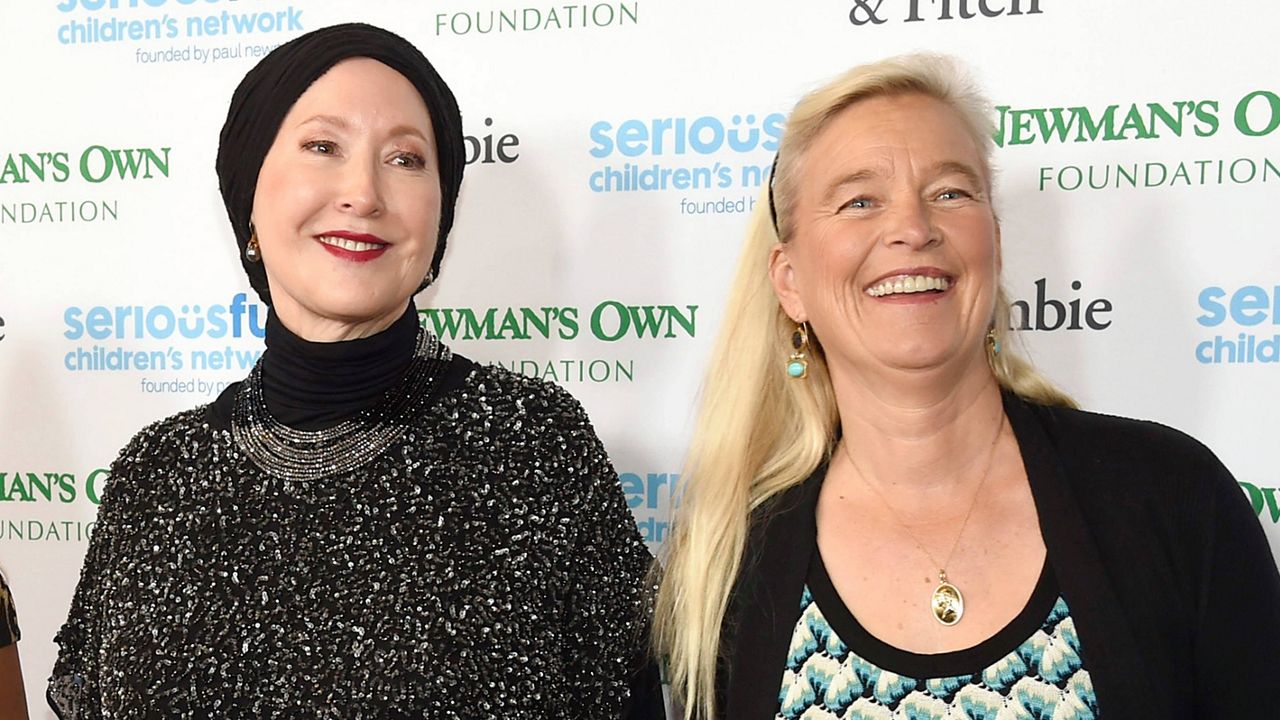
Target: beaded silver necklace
x,y
314,454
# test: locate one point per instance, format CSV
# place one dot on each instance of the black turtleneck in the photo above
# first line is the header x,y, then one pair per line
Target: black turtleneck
x,y
316,385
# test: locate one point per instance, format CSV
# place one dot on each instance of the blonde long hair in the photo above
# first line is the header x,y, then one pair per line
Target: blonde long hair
x,y
759,432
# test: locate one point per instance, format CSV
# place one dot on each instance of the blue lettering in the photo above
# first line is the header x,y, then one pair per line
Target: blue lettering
x,y
75,328
99,323
1204,352
600,135
154,327
217,321
633,489
706,147
1249,298
633,137
773,127
1215,312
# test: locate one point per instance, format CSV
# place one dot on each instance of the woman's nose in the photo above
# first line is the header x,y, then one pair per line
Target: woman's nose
x,y
360,189
910,224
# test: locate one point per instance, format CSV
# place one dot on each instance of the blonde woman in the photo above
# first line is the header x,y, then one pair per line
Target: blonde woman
x,y
889,514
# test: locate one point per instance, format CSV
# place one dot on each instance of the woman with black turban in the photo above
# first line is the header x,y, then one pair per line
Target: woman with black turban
x,y
367,525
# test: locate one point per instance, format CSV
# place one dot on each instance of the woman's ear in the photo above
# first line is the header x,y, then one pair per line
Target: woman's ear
x,y
782,275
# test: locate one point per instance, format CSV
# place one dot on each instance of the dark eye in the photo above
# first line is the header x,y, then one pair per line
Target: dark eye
x,y
323,147
412,161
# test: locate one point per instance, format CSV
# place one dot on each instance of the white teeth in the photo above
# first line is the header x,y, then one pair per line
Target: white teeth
x,y
352,245
907,284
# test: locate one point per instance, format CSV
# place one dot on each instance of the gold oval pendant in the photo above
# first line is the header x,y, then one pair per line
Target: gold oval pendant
x,y
948,603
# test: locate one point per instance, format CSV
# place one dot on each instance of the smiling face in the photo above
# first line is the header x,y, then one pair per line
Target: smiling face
x,y
347,206
893,257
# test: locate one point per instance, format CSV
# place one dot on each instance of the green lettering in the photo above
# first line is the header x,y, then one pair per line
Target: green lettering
x,y
688,323
1272,505
1090,130
1054,124
1172,121
1134,120
511,324
597,321
1001,127
1022,127
105,156
643,319
36,485
11,174
1242,114
569,323
91,484
541,323
479,329
18,491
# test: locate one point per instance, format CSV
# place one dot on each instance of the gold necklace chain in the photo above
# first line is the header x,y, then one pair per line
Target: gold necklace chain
x,y
947,602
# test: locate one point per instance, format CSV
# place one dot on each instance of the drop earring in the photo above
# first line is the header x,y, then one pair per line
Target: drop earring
x,y
798,364
252,252
993,342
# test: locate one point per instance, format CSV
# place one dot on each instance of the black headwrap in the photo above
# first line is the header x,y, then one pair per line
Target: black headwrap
x,y
271,88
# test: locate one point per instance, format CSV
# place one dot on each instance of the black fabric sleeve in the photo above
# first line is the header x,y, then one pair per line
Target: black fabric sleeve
x,y
1237,652
74,691
608,604
9,632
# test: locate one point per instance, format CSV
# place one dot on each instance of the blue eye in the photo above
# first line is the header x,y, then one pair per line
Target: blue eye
x,y
953,194
860,203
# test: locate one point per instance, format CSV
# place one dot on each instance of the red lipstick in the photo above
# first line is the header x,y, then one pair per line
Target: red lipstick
x,y
360,247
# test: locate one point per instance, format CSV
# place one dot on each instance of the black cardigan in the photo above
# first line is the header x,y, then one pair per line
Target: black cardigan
x,y
1172,586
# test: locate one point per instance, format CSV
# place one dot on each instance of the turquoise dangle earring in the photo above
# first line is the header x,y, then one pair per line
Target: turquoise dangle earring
x,y
993,342
797,364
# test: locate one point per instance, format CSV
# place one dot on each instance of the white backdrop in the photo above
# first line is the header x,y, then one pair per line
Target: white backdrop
x,y
1138,186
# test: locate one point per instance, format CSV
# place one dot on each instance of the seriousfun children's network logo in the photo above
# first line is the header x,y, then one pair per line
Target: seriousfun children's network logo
x,y
704,155
1255,310
187,31
213,344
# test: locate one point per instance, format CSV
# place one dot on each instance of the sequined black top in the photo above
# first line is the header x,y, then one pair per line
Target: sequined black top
x,y
485,566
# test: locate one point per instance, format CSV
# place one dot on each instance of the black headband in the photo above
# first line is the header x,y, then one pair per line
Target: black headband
x,y
270,89
773,210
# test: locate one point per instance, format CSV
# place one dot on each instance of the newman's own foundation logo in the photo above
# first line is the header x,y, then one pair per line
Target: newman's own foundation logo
x,y
94,165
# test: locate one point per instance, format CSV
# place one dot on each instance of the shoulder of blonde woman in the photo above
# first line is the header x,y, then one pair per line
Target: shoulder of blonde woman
x,y
13,698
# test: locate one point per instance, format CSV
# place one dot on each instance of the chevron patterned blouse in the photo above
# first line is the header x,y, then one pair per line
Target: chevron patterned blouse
x,y
1033,669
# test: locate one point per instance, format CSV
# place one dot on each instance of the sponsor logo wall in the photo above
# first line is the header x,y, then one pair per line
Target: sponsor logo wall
x,y
615,150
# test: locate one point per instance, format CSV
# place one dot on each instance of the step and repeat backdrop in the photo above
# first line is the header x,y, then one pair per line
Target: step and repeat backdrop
x,y
615,150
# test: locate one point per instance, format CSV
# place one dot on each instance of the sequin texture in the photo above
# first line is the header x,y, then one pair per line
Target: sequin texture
x,y
485,565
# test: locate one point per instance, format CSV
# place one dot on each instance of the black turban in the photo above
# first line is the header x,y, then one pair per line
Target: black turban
x,y
271,88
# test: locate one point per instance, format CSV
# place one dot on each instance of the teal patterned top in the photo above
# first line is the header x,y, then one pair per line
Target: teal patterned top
x,y
1040,677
